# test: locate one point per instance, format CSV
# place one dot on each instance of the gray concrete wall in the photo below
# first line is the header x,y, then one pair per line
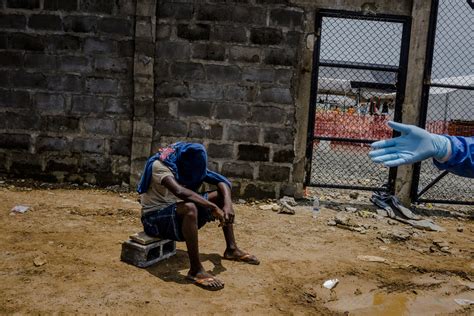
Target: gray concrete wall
x,y
225,76
66,89
90,89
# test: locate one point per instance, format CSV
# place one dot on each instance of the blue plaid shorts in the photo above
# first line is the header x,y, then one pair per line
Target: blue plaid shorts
x,y
166,224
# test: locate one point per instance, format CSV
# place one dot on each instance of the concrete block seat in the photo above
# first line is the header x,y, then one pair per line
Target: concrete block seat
x,y
143,251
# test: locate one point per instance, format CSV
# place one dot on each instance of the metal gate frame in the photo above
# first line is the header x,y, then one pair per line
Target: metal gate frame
x,y
415,196
401,70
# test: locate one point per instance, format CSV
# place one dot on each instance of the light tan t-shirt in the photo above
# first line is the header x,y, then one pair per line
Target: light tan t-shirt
x,y
158,196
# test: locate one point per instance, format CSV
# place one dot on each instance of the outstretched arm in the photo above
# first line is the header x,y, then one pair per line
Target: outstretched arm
x,y
190,196
461,161
415,144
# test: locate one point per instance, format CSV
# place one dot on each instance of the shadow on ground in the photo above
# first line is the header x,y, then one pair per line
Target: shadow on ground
x,y
171,270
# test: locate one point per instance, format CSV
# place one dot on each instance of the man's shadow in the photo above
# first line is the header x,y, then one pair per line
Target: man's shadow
x,y
169,270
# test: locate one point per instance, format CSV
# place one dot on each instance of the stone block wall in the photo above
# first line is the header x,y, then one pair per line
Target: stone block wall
x,y
66,89
90,89
224,76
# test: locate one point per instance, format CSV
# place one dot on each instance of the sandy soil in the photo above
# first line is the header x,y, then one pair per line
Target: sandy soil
x,y
78,234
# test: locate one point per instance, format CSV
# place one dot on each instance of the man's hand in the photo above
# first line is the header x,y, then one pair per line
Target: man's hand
x,y
218,213
229,214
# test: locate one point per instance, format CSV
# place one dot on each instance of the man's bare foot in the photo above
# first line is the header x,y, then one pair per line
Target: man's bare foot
x,y
239,255
205,280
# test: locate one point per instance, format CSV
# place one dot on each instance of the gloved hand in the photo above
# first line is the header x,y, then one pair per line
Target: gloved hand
x,y
415,144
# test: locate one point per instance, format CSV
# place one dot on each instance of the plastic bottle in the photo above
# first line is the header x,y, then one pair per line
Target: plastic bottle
x,y
316,210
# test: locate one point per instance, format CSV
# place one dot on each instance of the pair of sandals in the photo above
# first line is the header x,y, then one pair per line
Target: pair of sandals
x,y
212,283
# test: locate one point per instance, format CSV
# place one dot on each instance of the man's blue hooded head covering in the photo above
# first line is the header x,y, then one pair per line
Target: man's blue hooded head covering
x,y
187,161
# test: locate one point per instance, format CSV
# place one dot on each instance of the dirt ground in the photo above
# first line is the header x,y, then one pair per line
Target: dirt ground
x,y
75,237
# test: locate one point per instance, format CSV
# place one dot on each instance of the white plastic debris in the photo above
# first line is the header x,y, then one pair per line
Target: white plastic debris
x,y
20,209
39,261
330,284
288,200
372,259
464,302
266,207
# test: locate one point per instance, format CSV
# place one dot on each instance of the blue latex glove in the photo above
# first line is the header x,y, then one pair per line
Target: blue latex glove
x,y
415,144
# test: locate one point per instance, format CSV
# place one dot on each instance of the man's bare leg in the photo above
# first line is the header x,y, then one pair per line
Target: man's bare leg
x,y
231,251
189,215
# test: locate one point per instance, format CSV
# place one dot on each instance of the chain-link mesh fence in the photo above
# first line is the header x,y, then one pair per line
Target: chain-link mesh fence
x,y
357,80
450,108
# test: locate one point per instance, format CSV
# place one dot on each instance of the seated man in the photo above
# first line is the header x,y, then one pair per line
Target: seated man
x,y
171,208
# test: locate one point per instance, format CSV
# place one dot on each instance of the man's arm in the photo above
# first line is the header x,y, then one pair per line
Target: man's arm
x,y
190,196
224,190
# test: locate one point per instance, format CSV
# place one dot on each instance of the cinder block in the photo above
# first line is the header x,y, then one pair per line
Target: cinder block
x,y
281,136
126,48
171,127
267,114
266,36
273,173
40,61
99,126
15,141
256,74
214,12
172,50
188,108
282,57
14,99
45,143
253,152
60,124
238,170
116,26
212,131
87,104
276,95
66,5
45,22
221,73
148,252
284,155
63,42
177,11
23,4
288,18
120,146
80,24
194,32
209,51
232,111
249,15
227,33
192,71
221,150
245,54
243,133
143,239
12,21
102,85
22,41
98,6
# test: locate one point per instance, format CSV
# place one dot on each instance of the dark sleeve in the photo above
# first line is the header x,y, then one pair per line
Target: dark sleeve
x,y
461,161
215,178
